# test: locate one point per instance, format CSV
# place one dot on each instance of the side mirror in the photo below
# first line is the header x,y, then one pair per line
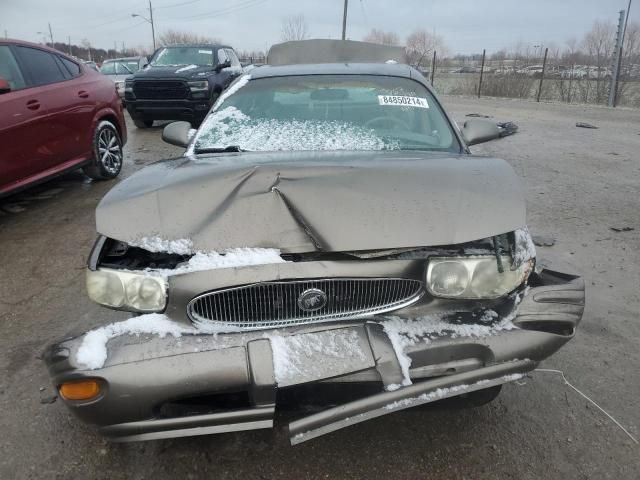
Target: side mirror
x,y
478,130
4,86
225,64
177,133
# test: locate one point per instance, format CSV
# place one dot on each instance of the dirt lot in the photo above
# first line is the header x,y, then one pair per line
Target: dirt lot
x,y
580,183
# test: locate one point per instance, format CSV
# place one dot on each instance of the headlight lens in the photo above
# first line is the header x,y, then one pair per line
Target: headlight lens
x,y
127,290
128,86
199,85
473,277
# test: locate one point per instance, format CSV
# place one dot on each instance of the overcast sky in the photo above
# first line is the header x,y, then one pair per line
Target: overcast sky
x,y
467,26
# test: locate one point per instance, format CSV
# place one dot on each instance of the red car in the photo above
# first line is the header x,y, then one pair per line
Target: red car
x,y
56,115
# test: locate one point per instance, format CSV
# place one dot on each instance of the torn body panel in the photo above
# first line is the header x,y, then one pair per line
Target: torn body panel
x,y
150,378
306,201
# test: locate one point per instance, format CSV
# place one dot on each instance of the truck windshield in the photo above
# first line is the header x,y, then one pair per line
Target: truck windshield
x,y
171,56
327,112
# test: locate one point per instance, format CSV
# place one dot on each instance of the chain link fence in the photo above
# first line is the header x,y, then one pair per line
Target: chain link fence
x,y
550,79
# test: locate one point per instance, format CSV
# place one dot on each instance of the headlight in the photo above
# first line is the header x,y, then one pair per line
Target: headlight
x,y
120,87
474,277
199,86
127,290
128,86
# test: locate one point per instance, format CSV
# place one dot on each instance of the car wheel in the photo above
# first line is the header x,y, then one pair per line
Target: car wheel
x,y
107,153
142,123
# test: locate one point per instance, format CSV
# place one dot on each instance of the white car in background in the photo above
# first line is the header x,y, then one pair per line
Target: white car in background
x,y
120,68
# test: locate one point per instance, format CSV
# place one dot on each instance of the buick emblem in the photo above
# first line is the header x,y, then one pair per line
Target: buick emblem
x,y
312,299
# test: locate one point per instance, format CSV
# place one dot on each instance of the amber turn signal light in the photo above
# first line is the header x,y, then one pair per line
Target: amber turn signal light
x,y
80,390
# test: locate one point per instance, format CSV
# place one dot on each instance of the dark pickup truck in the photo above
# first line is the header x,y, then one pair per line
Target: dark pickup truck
x,y
181,82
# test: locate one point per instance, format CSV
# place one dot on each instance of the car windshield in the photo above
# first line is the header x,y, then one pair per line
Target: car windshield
x,y
327,112
167,56
119,68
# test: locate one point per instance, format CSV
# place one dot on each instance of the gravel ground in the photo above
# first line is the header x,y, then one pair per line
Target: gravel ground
x,y
580,183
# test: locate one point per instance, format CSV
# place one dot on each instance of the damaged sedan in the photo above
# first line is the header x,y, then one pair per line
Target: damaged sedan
x,y
327,230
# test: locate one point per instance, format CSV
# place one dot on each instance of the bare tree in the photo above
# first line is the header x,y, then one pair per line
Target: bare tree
x,y
382,37
176,37
421,44
630,66
294,27
598,44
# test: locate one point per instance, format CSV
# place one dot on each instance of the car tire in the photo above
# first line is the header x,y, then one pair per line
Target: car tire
x,y
107,153
142,123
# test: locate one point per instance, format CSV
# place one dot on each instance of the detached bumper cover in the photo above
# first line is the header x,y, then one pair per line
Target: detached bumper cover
x,y
145,374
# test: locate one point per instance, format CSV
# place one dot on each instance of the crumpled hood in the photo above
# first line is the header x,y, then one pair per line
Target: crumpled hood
x,y
306,201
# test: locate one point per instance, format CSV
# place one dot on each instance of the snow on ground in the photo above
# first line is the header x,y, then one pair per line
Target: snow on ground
x,y
290,352
444,392
92,353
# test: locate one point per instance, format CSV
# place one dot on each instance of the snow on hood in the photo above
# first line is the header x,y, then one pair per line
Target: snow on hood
x,y
316,201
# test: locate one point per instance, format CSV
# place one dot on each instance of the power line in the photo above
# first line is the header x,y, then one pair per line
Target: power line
x,y
177,4
224,11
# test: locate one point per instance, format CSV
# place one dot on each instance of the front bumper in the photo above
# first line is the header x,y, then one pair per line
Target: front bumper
x,y
185,109
146,377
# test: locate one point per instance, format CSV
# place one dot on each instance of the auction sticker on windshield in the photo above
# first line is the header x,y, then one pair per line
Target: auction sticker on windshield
x,y
403,101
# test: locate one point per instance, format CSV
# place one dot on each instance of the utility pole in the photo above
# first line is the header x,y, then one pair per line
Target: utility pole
x,y
344,20
544,66
484,51
5,34
615,71
69,40
153,30
51,34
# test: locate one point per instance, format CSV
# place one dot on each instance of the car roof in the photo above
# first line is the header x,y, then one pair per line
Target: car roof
x,y
13,41
388,69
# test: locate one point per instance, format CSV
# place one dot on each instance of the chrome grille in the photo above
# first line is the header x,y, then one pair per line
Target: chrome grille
x,y
273,304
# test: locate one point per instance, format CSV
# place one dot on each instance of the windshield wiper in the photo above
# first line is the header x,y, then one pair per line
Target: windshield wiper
x,y
228,148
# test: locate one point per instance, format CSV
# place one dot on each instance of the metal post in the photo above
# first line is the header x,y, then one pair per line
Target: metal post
x,y
544,65
613,85
433,67
481,73
573,67
624,31
153,30
51,35
344,20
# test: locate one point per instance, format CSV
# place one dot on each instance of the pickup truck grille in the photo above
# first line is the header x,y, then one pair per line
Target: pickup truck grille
x,y
295,302
160,90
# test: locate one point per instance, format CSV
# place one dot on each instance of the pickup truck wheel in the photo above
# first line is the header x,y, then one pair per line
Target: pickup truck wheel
x,y
107,153
142,123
